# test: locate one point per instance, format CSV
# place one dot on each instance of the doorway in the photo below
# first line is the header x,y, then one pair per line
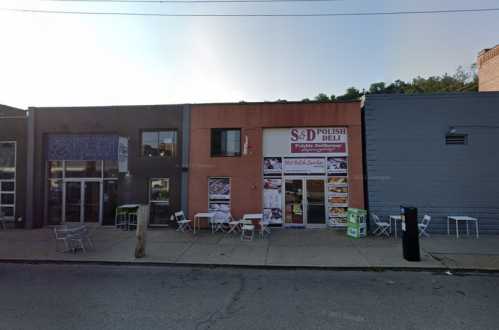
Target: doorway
x,y
304,202
82,202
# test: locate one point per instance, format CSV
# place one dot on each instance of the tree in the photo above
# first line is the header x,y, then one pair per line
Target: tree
x,y
322,98
461,81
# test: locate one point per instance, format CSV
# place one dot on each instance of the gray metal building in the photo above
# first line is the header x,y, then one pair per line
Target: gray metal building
x,y
438,152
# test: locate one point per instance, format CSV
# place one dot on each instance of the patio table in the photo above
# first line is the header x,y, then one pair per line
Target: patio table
x,y
196,223
395,218
461,218
126,210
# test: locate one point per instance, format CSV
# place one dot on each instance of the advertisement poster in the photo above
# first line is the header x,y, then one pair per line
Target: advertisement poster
x,y
338,190
337,165
219,188
318,140
219,198
338,180
272,166
123,154
336,201
304,165
272,200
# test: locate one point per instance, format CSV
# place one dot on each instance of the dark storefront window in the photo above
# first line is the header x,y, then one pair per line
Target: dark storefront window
x,y
7,179
83,169
225,142
111,169
55,169
7,160
159,195
110,202
54,202
161,144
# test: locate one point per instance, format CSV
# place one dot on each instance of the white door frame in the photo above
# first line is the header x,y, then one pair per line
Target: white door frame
x,y
304,199
82,182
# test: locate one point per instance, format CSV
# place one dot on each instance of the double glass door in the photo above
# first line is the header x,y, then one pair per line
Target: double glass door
x,y
82,202
304,202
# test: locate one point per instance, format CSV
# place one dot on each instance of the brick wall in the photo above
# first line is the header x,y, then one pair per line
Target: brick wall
x,y
488,70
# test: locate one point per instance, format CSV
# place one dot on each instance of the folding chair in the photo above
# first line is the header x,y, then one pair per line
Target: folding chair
x,y
424,225
183,224
234,225
247,230
382,227
217,224
80,236
61,235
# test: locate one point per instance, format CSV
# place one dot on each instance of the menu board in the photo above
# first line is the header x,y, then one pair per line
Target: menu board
x,y
272,200
337,191
219,198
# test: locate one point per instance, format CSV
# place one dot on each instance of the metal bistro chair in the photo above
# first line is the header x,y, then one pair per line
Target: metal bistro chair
x,y
62,235
423,226
80,236
121,218
382,227
132,219
247,230
182,222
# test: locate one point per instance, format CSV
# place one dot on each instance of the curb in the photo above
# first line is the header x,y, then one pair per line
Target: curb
x,y
459,270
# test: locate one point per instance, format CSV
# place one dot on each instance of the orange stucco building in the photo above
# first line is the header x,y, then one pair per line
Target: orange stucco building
x,y
241,153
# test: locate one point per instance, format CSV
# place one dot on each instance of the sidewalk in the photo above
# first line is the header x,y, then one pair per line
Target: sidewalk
x,y
284,248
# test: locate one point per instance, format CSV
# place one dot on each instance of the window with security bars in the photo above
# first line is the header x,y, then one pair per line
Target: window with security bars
x,y
456,139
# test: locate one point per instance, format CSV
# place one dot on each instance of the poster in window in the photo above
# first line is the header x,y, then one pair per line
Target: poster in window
x,y
219,188
272,200
338,201
337,181
337,165
337,190
304,165
272,166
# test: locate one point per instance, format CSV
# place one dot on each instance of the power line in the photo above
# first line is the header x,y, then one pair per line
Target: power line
x,y
387,13
189,1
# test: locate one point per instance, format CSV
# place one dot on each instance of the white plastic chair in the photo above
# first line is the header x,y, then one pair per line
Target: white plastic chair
x,y
382,227
182,222
423,225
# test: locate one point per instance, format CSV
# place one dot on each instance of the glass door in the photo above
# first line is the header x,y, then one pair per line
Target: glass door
x,y
91,202
316,211
293,200
73,202
82,201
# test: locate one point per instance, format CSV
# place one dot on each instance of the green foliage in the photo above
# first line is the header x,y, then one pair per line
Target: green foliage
x,y
461,81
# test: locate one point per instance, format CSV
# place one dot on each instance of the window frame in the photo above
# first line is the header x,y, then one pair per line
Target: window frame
x,y
158,131
224,129
13,191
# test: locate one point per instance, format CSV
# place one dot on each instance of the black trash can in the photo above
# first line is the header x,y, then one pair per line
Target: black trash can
x,y
410,233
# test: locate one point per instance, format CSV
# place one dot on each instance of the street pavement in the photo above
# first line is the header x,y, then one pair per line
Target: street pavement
x,y
65,296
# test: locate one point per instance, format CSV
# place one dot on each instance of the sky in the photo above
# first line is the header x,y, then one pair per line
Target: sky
x,y
84,60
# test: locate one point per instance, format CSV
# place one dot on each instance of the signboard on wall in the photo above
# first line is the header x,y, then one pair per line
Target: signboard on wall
x,y
123,154
331,140
304,165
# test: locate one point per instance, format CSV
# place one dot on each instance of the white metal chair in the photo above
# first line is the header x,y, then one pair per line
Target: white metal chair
x,y
121,218
382,227
247,230
79,236
182,222
132,220
423,226
264,228
234,225
61,235
218,224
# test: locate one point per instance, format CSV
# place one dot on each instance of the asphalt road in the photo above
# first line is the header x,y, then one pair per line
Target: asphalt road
x,y
131,297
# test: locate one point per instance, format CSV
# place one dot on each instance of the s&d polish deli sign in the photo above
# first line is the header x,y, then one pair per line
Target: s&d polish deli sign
x,y
332,140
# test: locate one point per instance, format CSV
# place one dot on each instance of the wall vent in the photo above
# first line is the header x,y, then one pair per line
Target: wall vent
x,y
456,139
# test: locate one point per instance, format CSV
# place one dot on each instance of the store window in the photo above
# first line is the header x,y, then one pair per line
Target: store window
x,y
7,179
225,142
159,202
159,144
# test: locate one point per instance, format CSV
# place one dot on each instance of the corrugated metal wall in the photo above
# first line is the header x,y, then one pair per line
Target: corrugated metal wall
x,y
408,161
